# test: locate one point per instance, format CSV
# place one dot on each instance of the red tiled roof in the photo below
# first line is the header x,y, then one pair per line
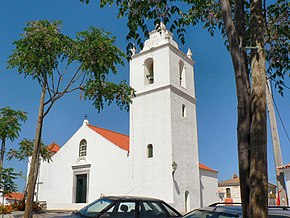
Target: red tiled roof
x,y
53,147
18,196
118,139
235,181
204,167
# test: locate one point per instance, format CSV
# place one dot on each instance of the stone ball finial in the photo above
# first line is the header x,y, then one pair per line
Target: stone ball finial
x,y
86,121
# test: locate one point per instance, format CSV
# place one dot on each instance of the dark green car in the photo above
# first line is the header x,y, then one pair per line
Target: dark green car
x,y
127,207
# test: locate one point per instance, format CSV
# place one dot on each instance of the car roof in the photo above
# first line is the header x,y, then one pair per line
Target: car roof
x,y
236,209
233,210
131,198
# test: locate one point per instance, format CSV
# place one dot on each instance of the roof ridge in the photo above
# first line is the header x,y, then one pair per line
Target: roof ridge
x,y
108,130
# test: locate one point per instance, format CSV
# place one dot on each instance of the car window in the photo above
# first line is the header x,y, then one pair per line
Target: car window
x,y
150,209
121,210
96,207
209,214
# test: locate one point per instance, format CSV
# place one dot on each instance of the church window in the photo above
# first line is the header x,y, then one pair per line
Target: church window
x,y
182,81
149,71
228,193
150,151
183,111
83,148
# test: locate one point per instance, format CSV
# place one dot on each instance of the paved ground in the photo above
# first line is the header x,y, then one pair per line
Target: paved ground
x,y
19,214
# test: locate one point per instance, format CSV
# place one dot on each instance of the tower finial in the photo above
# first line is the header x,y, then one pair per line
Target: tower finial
x,y
86,122
189,53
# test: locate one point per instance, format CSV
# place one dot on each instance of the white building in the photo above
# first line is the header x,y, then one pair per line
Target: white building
x,y
208,185
162,159
229,191
286,170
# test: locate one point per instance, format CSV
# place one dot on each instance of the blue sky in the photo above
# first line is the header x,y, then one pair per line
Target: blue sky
x,y
214,82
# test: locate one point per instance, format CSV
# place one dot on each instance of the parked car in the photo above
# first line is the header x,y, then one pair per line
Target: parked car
x,y
127,207
222,210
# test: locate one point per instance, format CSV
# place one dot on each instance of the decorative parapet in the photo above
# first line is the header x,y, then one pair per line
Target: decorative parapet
x,y
159,37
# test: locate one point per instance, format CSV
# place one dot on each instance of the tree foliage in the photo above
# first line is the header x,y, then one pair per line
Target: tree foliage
x,y
25,150
10,126
10,123
7,184
49,56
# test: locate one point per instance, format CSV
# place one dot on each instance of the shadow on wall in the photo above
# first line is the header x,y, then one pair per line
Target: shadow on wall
x,y
176,186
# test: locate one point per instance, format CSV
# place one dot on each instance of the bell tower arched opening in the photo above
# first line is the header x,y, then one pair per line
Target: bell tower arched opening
x,y
149,71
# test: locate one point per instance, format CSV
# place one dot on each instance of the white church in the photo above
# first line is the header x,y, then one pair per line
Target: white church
x,y
160,156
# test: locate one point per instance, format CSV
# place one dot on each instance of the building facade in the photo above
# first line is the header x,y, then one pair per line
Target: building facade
x,y
286,170
229,191
158,159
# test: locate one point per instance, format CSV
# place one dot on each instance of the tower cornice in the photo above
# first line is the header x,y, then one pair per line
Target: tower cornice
x,y
173,88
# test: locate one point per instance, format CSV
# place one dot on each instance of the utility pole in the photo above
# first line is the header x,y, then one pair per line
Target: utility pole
x,y
281,186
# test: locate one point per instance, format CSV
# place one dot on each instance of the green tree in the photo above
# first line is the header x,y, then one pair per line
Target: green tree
x,y
255,33
7,184
62,65
10,127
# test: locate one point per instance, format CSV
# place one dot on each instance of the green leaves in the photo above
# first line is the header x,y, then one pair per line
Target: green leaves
x,y
277,39
7,184
25,151
10,125
101,91
37,53
67,64
95,49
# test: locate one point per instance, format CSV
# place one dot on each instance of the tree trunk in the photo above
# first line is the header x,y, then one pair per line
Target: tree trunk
x,y
243,90
35,158
2,153
258,157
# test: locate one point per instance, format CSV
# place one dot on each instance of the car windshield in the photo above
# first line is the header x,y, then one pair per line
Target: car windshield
x,y
96,207
209,214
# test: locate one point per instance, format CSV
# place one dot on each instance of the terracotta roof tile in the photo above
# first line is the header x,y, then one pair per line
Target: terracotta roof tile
x,y
53,147
204,167
235,181
18,196
118,139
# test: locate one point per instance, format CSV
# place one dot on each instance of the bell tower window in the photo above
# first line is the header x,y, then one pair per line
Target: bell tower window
x,y
83,148
149,71
182,80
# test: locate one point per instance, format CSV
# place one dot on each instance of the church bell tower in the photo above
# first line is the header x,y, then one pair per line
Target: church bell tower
x,y
163,126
